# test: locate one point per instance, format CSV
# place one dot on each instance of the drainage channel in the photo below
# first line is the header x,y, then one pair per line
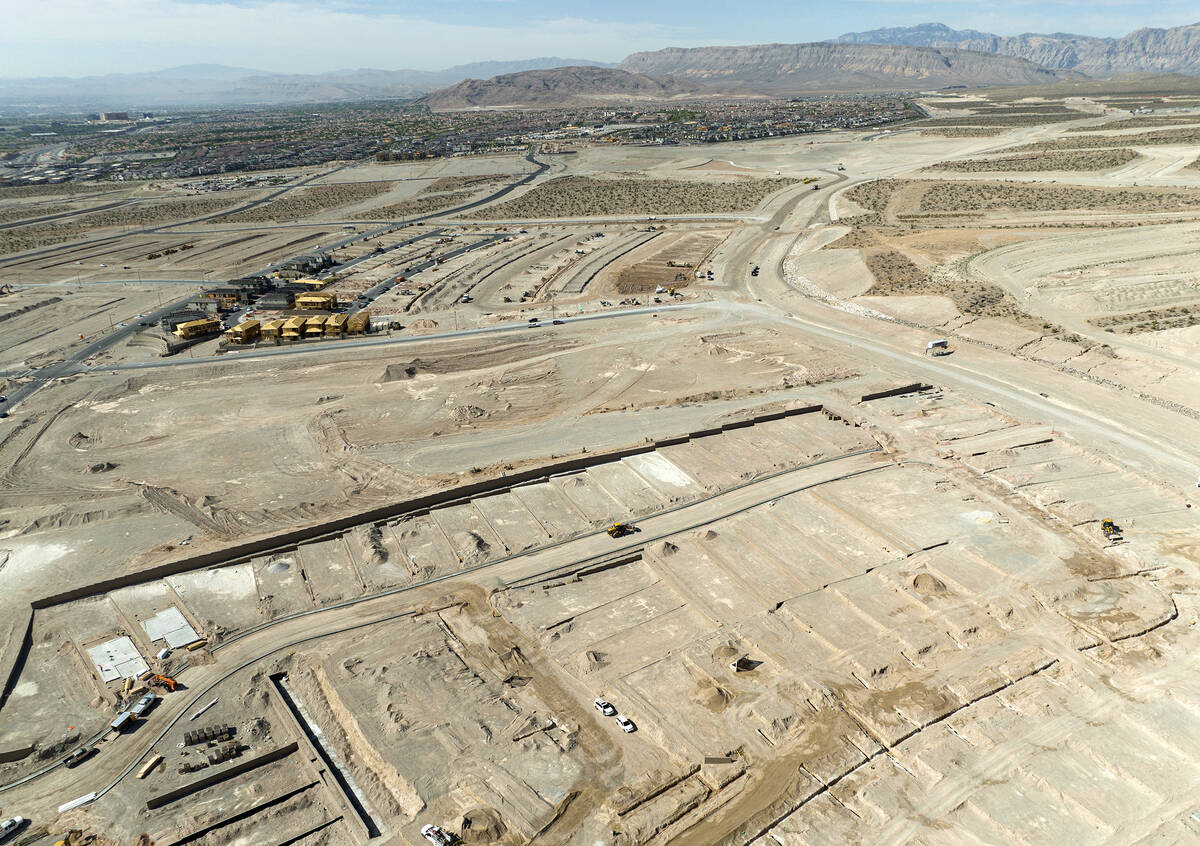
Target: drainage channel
x,y
336,768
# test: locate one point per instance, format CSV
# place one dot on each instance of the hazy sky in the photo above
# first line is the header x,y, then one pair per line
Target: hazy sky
x,y
80,37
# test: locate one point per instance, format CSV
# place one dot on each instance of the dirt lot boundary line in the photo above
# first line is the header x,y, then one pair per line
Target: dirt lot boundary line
x,y
241,552
241,815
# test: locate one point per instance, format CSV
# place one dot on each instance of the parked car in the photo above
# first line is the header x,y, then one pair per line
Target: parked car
x,y
143,705
626,724
9,827
605,707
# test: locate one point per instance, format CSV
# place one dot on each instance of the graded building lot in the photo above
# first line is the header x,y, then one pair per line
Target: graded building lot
x,y
876,619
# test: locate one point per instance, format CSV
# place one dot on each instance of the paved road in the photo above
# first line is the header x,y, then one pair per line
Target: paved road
x,y
1145,435
1119,422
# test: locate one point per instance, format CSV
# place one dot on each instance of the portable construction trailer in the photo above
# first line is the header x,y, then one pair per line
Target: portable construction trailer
x,y
314,327
246,332
293,328
336,324
272,329
359,323
317,301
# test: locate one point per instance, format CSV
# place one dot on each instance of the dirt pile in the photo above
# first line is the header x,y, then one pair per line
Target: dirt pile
x,y
466,413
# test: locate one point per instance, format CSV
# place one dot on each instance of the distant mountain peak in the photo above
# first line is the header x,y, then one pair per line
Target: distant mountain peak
x,y
554,87
1148,50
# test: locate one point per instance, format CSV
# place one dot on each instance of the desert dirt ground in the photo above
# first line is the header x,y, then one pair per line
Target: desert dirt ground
x,y
869,597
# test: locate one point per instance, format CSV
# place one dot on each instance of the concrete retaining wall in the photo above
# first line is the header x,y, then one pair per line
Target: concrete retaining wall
x,y
16,650
895,392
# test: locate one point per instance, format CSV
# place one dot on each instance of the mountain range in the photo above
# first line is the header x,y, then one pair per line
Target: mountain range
x,y
570,86
221,85
904,58
822,66
1175,50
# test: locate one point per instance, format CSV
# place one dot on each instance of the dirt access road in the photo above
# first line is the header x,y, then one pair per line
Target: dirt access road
x,y
40,794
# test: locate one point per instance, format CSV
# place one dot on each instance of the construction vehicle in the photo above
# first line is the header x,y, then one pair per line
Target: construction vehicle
x,y
939,347
809,180
163,681
1111,530
620,530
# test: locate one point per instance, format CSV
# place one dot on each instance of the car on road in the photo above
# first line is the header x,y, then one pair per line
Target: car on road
x,y
533,321
78,756
626,724
605,707
10,826
437,835
3,398
557,322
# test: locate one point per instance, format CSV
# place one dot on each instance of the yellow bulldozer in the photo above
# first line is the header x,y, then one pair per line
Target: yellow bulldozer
x,y
1111,530
620,530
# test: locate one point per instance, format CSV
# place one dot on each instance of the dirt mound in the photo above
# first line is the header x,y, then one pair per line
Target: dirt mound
x,y
466,413
374,542
482,825
423,325
667,548
590,661
725,653
474,547
713,697
81,441
399,372
930,585
102,467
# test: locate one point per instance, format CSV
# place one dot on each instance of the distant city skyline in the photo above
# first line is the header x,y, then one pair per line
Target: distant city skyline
x,y
93,37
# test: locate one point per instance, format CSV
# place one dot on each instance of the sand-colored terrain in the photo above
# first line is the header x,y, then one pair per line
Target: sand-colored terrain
x,y
869,595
